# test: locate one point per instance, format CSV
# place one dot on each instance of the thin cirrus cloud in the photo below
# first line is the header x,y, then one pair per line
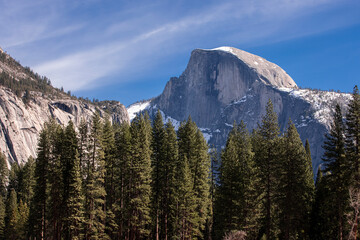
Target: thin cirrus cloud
x,y
118,41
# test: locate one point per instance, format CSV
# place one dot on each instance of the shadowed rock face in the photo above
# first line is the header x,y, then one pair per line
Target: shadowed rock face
x,y
224,85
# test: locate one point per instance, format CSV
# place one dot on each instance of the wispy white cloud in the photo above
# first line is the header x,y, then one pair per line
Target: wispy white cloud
x,y
115,44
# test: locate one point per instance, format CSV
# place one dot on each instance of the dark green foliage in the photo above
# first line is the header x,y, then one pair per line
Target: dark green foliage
x,y
73,217
193,149
353,153
337,173
27,181
22,220
296,188
122,166
158,171
38,210
164,158
55,180
353,136
308,156
2,217
4,172
236,205
108,139
12,216
95,185
169,188
14,177
139,189
266,144
322,223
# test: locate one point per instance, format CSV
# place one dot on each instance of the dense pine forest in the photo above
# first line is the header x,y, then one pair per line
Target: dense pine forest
x,y
145,180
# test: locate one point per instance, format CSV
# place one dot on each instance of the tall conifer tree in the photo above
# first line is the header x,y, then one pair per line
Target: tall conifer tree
x,y
122,178
4,173
12,216
267,155
38,210
55,179
193,148
336,167
171,158
158,173
72,192
236,203
27,182
353,145
2,217
296,187
108,142
95,190
139,189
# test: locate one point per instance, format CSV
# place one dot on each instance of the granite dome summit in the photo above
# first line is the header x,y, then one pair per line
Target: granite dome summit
x,y
223,85
269,73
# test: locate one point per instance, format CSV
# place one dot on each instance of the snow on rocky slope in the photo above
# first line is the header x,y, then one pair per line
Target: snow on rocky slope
x,y
322,102
223,85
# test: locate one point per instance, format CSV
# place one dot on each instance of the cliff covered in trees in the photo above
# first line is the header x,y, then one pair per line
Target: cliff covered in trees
x,y
28,100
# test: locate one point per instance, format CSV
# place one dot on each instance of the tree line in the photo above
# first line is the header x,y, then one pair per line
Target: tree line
x,y
107,181
145,180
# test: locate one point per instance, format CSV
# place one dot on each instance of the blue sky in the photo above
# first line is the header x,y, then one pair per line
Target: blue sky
x,y
128,50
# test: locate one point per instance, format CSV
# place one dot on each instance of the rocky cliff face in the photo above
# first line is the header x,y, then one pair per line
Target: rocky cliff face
x,y
21,121
224,85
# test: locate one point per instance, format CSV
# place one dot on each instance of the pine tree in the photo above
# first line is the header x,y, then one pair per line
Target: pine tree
x,y
323,220
12,216
27,181
266,144
184,201
95,189
23,219
353,144
72,193
336,165
296,187
108,142
55,179
316,216
158,172
169,188
236,207
308,156
122,179
2,217
4,172
83,150
139,190
14,174
193,147
38,210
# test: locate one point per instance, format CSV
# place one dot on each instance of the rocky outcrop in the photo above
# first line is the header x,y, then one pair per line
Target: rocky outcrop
x,y
224,85
22,117
21,123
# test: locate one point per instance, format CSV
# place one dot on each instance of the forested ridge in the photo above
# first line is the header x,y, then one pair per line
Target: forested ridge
x,y
147,181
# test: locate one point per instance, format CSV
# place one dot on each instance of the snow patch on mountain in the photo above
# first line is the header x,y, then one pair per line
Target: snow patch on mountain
x,y
136,108
322,102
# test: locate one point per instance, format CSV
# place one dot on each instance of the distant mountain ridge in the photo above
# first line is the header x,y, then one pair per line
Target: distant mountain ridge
x,y
223,85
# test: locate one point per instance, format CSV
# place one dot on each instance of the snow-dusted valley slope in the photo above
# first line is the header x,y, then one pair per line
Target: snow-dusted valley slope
x,y
223,85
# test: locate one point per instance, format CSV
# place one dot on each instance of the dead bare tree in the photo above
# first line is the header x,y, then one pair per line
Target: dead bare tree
x,y
353,216
235,235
